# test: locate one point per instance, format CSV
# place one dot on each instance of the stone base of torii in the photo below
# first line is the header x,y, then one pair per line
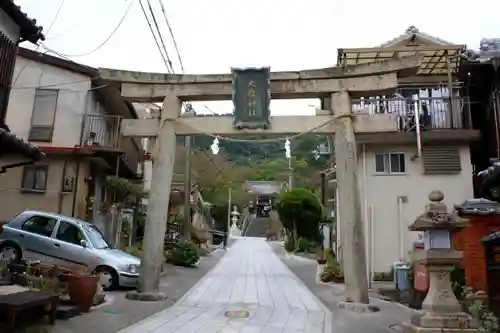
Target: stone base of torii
x,y
338,84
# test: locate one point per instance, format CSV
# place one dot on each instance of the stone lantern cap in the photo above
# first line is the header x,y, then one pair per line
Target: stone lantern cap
x,y
436,216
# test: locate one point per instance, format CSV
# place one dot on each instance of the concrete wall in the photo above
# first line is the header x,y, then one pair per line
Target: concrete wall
x,y
383,219
9,28
13,200
71,103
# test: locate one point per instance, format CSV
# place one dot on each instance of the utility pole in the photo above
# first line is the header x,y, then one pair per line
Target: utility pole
x,y
187,189
353,242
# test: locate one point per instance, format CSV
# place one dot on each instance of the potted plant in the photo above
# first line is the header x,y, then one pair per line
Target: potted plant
x,y
82,289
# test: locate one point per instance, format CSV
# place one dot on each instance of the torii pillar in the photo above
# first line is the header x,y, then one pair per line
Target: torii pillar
x,y
158,204
353,238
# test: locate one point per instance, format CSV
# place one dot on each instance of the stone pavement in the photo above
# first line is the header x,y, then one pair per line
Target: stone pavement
x,y
251,283
387,320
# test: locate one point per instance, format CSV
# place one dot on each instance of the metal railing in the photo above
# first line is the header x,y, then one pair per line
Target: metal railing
x,y
131,152
432,112
101,130
104,131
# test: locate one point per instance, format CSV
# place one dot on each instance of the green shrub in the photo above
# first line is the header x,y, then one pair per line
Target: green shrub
x,y
305,246
300,211
290,245
333,270
182,253
330,256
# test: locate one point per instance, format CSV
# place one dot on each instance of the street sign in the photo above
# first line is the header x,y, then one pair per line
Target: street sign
x,y
251,97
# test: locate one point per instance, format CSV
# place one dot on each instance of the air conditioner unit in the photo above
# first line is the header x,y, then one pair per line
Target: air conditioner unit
x,y
91,139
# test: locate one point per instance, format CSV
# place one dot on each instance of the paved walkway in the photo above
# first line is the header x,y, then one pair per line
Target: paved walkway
x,y
250,281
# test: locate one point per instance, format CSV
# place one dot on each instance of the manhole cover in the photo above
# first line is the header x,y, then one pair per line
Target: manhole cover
x,y
237,314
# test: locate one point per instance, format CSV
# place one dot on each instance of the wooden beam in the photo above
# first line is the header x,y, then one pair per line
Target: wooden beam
x,y
408,48
223,125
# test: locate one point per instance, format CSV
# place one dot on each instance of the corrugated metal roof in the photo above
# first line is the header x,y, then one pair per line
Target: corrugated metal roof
x,y
437,53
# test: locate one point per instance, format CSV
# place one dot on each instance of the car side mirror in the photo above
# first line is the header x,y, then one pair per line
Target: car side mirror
x,y
84,243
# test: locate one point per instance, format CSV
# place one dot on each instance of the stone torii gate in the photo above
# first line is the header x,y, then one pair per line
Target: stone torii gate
x,y
335,85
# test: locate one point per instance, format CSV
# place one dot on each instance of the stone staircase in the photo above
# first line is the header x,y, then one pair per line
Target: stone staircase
x,y
257,227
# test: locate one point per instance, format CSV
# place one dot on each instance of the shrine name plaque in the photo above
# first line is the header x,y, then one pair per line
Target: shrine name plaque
x,y
251,97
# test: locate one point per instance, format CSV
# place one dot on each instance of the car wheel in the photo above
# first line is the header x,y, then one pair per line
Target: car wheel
x,y
108,278
10,252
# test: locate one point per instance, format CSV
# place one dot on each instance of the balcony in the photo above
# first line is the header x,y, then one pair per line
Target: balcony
x,y
102,132
430,113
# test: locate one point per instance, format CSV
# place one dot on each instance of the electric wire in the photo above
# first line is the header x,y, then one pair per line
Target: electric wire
x,y
154,36
55,16
38,45
122,19
171,34
182,69
160,34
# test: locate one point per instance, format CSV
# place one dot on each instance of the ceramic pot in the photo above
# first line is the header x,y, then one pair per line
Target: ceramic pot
x,y
82,289
321,261
16,268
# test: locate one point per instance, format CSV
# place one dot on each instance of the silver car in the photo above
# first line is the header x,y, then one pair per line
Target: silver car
x,y
67,242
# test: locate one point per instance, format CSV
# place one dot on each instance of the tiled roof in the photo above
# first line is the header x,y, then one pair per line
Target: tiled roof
x,y
12,144
412,30
30,31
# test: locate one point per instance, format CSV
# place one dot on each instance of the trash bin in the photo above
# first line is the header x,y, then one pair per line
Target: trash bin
x,y
401,270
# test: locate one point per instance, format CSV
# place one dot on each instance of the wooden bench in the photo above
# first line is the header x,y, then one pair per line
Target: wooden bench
x,y
12,304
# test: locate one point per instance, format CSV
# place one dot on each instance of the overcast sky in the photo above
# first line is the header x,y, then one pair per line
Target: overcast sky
x,y
215,35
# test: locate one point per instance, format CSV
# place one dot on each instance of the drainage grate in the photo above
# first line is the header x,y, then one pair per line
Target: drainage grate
x,y
237,314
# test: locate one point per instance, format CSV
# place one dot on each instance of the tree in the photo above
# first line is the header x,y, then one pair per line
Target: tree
x,y
300,212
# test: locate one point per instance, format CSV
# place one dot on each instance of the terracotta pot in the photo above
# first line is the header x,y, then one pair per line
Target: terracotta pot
x,y
82,289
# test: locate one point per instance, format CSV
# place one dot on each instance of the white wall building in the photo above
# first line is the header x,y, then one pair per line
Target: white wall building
x,y
397,171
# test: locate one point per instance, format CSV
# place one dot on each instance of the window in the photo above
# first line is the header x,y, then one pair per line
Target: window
x,y
70,233
35,178
390,163
40,225
44,110
96,237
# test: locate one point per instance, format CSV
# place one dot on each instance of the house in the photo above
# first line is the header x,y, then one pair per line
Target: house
x,y
15,27
73,116
430,150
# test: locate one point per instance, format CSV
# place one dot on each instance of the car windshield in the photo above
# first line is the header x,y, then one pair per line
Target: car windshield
x,y
95,236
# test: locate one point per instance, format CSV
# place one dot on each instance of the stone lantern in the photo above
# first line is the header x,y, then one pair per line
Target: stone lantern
x,y
441,311
234,230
